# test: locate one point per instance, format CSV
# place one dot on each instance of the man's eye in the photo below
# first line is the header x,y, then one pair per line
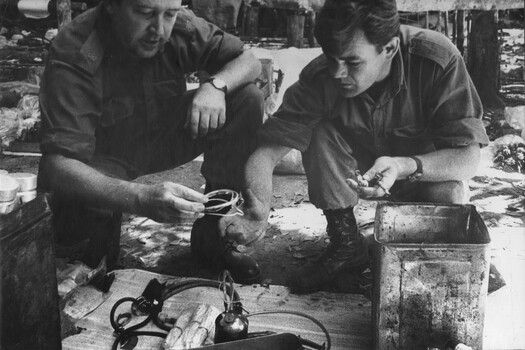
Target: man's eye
x,y
352,63
144,12
170,14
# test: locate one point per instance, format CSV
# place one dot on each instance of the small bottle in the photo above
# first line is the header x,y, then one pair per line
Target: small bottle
x,y
230,326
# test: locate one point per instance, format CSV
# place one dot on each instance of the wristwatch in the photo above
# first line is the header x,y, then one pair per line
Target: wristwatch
x,y
416,175
217,83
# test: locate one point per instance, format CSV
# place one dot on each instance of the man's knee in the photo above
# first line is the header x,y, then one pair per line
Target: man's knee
x,y
248,102
75,222
323,135
250,95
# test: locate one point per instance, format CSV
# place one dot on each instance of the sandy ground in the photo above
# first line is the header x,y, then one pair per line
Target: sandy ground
x,y
296,230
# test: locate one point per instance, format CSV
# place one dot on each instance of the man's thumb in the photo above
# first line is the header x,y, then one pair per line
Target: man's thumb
x,y
223,224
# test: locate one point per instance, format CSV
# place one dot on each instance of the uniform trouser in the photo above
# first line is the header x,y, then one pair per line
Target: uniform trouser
x,y
225,153
330,160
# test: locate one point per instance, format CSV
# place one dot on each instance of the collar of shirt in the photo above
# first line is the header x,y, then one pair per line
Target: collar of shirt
x,y
393,84
93,48
100,42
111,46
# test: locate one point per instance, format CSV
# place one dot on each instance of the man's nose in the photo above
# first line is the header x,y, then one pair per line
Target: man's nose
x,y
341,70
157,26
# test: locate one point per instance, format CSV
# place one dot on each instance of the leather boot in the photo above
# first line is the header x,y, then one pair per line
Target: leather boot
x,y
218,253
347,252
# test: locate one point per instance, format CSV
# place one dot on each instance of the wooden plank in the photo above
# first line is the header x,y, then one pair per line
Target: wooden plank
x,y
346,316
63,13
449,5
402,5
295,30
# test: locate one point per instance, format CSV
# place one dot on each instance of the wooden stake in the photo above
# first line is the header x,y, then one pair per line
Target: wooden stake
x,y
63,13
295,30
460,19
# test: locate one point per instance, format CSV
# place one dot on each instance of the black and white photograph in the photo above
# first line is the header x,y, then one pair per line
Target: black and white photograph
x,y
262,174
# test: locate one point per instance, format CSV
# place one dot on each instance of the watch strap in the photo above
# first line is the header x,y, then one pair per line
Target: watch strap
x,y
416,176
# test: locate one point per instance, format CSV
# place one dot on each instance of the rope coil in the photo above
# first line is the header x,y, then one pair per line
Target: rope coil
x,y
220,200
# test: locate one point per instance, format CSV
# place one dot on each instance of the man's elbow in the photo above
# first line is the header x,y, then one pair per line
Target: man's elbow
x,y
255,63
50,172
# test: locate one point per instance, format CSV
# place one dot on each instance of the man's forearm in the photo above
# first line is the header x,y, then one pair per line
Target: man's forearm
x,y
73,178
242,70
443,165
258,174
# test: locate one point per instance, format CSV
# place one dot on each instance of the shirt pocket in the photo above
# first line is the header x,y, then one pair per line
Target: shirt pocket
x,y
169,97
116,110
169,91
412,139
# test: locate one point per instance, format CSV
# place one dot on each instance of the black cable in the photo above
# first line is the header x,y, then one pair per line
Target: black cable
x,y
168,291
171,289
119,337
131,331
297,313
189,284
119,302
193,283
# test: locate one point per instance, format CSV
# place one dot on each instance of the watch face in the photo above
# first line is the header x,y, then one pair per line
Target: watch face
x,y
218,83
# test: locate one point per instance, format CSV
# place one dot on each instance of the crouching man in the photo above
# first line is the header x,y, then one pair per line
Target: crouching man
x,y
114,107
391,101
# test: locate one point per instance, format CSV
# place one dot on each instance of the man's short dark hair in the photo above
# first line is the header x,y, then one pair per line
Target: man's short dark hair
x,y
338,21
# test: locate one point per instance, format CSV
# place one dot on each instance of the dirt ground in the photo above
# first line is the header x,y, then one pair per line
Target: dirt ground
x,y
296,230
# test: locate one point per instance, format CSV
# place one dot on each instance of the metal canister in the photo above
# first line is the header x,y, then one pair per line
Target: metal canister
x,y
8,188
26,196
26,181
230,326
27,186
7,207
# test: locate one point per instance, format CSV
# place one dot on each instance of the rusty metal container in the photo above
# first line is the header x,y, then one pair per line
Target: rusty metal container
x,y
431,275
29,311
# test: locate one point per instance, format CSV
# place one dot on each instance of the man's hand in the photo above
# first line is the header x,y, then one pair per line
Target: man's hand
x,y
378,180
207,112
169,202
245,229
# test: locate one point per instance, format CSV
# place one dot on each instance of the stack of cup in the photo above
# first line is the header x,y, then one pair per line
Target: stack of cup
x,y
27,186
15,190
8,191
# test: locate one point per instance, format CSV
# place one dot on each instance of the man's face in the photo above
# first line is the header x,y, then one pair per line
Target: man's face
x,y
360,65
143,26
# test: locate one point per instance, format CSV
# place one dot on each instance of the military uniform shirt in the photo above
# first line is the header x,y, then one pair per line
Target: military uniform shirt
x,y
429,102
98,101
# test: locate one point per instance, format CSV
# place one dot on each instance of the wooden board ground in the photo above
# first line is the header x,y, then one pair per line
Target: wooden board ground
x,y
347,317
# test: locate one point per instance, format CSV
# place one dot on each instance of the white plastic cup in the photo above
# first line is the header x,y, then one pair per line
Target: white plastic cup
x,y
26,181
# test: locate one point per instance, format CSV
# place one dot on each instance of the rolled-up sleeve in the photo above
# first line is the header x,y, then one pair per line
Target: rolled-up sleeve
x,y
456,109
293,123
206,46
70,107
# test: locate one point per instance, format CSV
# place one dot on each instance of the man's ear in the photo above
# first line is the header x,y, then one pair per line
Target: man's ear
x,y
391,48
